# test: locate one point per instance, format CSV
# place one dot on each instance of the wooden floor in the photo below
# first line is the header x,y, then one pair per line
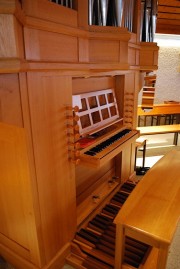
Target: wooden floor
x,y
157,146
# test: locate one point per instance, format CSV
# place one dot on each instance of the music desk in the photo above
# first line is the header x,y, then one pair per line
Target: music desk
x,y
152,211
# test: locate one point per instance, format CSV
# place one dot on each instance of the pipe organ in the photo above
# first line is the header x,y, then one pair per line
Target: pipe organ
x,y
68,112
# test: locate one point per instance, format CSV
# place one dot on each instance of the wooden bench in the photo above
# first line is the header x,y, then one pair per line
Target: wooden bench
x,y
151,213
161,129
169,111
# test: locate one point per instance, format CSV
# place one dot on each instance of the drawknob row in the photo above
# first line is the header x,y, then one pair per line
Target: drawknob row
x,y
73,134
129,107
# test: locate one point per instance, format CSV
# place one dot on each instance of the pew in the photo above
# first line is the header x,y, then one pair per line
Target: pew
x,y
161,129
167,111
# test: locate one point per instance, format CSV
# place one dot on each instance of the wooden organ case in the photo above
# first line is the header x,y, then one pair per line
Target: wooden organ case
x,y
50,187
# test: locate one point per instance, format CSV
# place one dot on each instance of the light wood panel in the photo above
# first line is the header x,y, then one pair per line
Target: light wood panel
x,y
16,208
160,109
126,166
8,45
123,54
34,190
10,100
49,94
47,46
148,59
161,129
88,84
83,48
11,37
103,51
132,56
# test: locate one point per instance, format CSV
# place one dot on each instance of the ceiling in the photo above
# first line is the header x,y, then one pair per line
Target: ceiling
x,y
168,18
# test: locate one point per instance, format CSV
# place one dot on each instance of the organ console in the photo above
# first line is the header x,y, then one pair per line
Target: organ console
x,y
100,124
68,116
104,133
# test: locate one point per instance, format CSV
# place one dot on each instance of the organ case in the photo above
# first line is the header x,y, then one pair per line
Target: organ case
x,y
49,55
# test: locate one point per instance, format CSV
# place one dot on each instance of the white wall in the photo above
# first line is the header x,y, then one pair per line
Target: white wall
x,y
168,73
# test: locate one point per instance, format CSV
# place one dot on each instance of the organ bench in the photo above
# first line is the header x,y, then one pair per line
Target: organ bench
x,y
151,213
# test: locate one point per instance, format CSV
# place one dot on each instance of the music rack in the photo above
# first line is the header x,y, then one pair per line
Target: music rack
x,y
97,110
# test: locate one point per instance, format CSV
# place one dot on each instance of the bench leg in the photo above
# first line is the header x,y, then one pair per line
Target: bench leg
x,y
177,118
158,120
136,149
144,154
175,139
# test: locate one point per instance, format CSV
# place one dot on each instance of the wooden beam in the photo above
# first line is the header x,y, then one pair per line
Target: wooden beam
x,y
168,10
169,16
172,3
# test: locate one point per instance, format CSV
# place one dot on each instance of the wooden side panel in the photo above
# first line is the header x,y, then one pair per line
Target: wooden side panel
x,y
48,46
11,37
34,189
10,100
19,38
83,50
48,95
17,228
126,92
126,163
148,56
132,56
123,52
155,57
8,46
